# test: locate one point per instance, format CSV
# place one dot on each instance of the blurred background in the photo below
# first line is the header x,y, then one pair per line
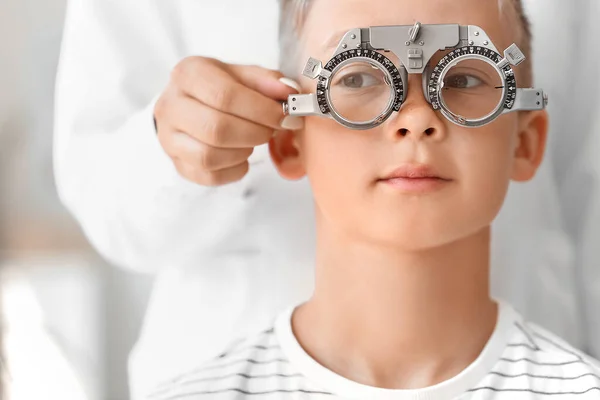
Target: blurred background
x,y
69,319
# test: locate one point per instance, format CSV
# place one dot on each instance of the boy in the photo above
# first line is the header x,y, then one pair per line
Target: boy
x,y
402,306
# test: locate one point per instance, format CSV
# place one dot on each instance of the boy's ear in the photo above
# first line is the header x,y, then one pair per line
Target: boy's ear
x,y
531,144
286,155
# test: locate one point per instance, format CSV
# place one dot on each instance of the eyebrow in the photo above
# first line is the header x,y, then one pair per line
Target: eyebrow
x,y
334,39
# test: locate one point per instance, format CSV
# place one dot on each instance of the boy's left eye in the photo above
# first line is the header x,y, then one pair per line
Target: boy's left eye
x,y
462,81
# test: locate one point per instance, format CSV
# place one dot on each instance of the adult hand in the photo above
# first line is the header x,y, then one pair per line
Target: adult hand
x,y
212,115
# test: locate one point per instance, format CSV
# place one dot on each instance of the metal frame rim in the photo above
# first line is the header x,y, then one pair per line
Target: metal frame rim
x,y
459,120
381,118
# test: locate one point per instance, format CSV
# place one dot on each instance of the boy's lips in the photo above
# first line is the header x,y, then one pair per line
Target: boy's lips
x,y
414,171
415,178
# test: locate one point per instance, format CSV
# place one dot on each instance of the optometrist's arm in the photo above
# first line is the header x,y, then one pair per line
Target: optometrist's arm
x,y
111,171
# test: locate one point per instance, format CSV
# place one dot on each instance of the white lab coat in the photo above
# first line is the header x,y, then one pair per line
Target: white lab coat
x,y
589,168
575,141
228,259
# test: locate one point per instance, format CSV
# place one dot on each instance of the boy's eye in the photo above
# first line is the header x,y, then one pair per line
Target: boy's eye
x,y
359,75
359,80
462,81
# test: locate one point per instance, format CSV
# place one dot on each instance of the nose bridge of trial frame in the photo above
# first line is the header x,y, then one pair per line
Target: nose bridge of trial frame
x,y
415,45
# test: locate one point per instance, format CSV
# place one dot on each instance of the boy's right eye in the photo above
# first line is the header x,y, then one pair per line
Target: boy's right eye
x,y
359,76
359,80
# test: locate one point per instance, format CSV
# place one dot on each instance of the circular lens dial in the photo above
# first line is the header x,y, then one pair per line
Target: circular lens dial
x,y
469,87
364,88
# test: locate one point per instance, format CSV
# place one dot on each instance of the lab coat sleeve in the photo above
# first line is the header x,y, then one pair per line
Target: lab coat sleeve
x,y
110,170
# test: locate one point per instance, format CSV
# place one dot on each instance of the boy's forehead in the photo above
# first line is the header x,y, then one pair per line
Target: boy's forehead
x,y
329,19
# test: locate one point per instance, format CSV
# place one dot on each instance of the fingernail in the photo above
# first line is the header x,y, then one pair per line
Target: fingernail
x,y
291,83
292,123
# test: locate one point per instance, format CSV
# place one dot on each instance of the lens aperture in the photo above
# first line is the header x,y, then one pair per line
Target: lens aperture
x,y
472,89
360,92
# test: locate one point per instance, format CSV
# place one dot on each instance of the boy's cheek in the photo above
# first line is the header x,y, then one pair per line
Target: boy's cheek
x,y
484,161
331,147
332,156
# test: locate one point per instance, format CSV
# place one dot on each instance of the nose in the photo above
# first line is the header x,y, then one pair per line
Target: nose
x,y
416,119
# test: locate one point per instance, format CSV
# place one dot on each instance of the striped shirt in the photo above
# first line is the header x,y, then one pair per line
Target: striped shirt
x,y
520,361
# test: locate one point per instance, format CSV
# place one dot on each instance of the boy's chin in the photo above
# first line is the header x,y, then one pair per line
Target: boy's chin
x,y
412,244
420,239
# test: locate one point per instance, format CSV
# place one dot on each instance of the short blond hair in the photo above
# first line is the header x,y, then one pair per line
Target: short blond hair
x,y
293,15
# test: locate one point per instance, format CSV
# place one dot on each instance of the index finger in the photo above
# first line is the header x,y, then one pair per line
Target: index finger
x,y
264,81
223,91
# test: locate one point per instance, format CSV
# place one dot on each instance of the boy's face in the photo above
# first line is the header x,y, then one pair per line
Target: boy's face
x,y
346,168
